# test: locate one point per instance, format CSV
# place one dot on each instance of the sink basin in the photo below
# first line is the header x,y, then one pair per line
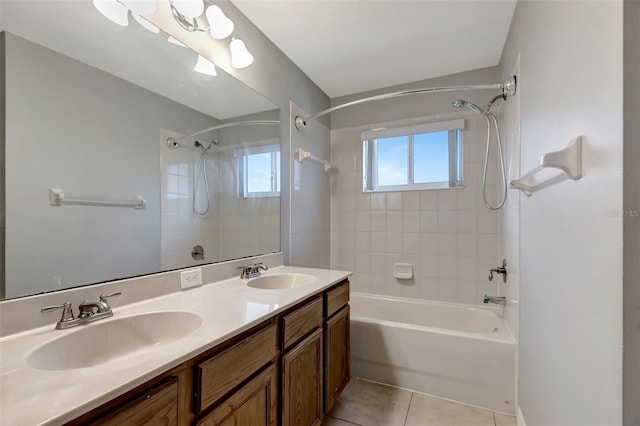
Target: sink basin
x,y
100,342
281,281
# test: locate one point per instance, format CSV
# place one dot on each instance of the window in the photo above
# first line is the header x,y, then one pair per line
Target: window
x,y
258,171
426,156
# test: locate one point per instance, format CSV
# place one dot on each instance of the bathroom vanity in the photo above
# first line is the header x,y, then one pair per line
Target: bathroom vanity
x,y
259,357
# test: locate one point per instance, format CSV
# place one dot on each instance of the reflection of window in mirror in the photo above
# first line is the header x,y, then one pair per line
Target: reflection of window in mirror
x,y
258,171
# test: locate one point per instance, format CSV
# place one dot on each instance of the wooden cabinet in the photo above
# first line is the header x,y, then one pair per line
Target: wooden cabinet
x,y
223,372
254,404
301,322
302,383
157,406
336,360
288,370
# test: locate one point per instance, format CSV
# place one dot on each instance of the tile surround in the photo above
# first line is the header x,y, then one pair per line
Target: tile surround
x,y
449,235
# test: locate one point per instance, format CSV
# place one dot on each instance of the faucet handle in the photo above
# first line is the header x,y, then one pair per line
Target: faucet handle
x,y
67,311
104,297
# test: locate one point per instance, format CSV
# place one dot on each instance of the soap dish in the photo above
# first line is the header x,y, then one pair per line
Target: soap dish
x,y
403,271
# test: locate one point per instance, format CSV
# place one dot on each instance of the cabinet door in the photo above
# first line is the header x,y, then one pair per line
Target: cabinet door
x,y
336,370
254,404
157,406
302,383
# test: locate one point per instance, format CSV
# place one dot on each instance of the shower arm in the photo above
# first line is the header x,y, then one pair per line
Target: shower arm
x,y
508,89
175,142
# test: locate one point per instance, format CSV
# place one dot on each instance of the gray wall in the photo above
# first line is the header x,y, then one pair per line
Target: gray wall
x,y
415,105
571,233
631,367
95,136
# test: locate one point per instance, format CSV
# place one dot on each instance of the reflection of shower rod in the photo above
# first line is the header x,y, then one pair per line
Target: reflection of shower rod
x,y
174,143
508,89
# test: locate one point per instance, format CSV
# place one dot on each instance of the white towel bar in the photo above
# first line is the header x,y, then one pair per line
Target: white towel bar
x,y
57,198
569,160
306,155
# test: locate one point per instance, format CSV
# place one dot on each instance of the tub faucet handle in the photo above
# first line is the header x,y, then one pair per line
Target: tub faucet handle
x,y
502,270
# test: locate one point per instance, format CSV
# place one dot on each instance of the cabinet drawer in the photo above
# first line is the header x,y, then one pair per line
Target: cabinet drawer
x,y
299,323
254,404
158,405
220,374
337,298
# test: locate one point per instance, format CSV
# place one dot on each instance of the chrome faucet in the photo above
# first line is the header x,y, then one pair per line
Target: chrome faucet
x,y
502,270
252,271
87,312
498,300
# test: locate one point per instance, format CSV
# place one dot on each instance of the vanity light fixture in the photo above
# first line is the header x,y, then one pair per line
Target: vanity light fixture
x,y
204,66
240,56
176,42
114,11
187,13
141,7
221,27
190,9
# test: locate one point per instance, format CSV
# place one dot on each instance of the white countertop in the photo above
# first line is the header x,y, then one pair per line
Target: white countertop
x,y
30,397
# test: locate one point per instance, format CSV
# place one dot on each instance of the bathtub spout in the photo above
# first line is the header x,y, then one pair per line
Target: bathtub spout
x,y
495,299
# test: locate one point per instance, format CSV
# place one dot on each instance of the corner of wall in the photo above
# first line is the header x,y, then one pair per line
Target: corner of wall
x,y
2,163
631,220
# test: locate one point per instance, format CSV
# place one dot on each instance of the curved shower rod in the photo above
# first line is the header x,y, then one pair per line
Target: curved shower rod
x,y
173,143
508,88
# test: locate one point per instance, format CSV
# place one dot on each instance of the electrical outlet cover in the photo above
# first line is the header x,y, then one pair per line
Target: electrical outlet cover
x,y
191,278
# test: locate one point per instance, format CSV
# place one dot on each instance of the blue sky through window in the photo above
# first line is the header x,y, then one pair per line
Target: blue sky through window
x,y
259,172
431,157
392,161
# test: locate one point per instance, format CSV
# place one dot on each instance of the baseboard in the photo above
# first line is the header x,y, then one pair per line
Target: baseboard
x,y
520,418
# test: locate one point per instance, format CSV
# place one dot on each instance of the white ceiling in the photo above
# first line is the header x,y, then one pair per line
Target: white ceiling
x,y
350,46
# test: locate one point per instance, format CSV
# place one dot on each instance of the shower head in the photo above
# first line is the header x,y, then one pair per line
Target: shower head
x,y
203,148
461,103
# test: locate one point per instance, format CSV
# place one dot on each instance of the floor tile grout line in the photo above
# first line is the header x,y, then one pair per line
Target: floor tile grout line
x,y
346,421
409,408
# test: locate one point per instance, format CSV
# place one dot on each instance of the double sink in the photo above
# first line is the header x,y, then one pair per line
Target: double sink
x,y
104,341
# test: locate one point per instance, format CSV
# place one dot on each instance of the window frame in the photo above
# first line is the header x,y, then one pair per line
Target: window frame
x,y
242,158
455,129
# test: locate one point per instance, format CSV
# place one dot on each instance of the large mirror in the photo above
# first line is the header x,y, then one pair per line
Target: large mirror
x,y
102,180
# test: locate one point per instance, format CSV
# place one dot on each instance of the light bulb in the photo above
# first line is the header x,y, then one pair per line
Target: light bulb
x,y
240,56
189,8
176,42
141,7
113,10
144,23
220,26
205,66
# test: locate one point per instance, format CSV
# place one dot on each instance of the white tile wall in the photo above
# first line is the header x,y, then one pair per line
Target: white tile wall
x,y
448,235
181,228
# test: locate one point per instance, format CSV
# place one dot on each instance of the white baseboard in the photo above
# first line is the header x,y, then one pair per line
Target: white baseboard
x,y
520,418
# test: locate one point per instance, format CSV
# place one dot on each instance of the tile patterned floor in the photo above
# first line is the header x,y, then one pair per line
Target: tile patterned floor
x,y
365,403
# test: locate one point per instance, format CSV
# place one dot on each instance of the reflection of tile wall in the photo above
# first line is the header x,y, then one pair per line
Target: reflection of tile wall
x,y
182,229
448,235
249,225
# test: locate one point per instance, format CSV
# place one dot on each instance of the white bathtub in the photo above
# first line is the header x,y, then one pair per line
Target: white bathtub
x,y
459,352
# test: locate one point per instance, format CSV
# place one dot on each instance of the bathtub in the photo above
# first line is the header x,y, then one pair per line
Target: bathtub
x,y
459,352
